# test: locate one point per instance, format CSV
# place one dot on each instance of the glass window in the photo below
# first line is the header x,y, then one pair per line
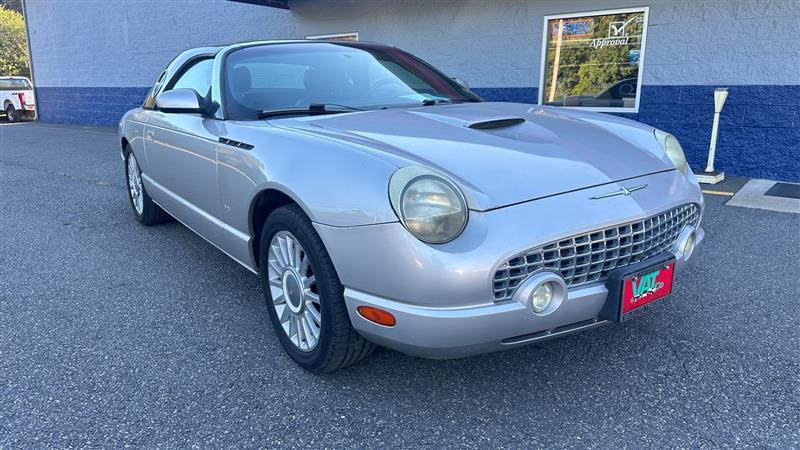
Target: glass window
x,y
13,84
197,77
346,74
593,60
352,36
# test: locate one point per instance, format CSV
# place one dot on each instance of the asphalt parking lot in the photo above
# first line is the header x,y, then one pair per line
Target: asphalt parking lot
x,y
115,334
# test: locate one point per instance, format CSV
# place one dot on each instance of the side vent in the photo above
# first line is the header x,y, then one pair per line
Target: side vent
x,y
496,123
236,144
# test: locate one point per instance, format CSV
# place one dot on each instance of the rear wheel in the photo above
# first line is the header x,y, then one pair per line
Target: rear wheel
x,y
145,210
304,296
11,114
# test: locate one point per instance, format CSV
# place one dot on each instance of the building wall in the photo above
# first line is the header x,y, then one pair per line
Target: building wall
x,y
94,59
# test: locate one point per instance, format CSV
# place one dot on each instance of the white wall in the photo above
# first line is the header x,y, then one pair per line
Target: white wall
x,y
498,43
126,43
488,43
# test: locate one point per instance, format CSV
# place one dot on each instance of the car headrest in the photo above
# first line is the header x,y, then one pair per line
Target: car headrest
x,y
240,79
324,83
314,80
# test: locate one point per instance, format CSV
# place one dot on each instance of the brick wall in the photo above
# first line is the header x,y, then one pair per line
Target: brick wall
x,y
759,133
102,106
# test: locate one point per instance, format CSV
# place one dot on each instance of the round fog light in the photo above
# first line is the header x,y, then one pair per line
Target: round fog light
x,y
541,297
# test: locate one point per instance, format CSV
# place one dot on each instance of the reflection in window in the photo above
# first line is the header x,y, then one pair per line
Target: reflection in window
x,y
593,60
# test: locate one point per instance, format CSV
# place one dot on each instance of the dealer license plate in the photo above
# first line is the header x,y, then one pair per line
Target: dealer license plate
x,y
646,287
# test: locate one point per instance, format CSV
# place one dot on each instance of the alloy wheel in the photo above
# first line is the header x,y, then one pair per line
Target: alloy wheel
x,y
135,184
294,291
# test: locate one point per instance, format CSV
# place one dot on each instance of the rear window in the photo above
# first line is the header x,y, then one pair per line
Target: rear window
x,y
14,84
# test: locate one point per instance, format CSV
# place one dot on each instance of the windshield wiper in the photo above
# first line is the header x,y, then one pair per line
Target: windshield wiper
x,y
433,101
313,109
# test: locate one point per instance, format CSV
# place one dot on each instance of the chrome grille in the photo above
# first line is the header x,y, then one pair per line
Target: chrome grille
x,y
589,257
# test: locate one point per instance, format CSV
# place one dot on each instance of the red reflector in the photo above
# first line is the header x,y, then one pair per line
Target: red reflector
x,y
376,315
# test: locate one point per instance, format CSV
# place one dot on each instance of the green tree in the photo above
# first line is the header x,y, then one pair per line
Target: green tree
x,y
13,48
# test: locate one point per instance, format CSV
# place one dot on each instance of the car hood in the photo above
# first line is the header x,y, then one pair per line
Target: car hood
x,y
500,153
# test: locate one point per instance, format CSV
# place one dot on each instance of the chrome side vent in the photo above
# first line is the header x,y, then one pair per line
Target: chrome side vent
x,y
496,123
236,144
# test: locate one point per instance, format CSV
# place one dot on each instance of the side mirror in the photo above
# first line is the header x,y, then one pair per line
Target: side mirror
x,y
461,82
179,101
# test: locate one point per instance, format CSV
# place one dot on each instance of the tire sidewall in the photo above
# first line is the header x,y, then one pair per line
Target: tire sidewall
x,y
11,114
282,220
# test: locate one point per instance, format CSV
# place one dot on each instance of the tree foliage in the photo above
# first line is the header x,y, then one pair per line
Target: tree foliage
x,y
13,48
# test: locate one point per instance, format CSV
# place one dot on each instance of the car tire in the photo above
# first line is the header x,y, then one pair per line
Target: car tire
x,y
11,114
147,212
338,345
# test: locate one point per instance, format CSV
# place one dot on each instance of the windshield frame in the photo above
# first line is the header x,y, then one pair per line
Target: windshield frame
x,y
220,90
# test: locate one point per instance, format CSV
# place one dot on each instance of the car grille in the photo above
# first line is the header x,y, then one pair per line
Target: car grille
x,y
589,257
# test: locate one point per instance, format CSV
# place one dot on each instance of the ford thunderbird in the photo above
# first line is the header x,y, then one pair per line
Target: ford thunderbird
x,y
383,203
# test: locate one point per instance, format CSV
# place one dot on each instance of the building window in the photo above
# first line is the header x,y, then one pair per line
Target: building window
x,y
352,36
593,60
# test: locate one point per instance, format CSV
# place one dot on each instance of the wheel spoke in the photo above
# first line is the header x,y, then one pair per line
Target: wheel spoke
x,y
308,331
312,317
283,246
299,314
275,266
311,310
304,265
283,313
301,331
312,296
290,251
296,258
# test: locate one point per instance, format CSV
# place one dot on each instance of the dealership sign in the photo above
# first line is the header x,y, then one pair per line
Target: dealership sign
x,y
617,34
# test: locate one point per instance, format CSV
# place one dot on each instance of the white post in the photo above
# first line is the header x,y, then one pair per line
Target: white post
x,y
710,175
720,95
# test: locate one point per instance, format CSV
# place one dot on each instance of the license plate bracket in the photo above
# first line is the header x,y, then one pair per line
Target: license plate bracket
x,y
632,288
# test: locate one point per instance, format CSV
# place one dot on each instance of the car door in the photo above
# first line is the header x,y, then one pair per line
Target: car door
x,y
181,153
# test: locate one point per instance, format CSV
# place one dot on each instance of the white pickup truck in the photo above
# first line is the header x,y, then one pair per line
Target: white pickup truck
x,y
16,98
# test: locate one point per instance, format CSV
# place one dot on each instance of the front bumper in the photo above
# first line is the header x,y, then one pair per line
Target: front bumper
x,y
441,295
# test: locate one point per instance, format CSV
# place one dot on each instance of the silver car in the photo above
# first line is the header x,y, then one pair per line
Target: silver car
x,y
383,203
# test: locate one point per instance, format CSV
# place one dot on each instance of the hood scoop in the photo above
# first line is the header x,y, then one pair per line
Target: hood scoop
x,y
473,121
492,124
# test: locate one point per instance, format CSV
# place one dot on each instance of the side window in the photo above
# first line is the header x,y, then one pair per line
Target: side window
x,y
197,77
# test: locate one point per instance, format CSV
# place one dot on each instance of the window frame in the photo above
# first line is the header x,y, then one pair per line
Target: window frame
x,y
543,62
188,65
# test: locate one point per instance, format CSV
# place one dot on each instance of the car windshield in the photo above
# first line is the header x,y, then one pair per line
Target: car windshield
x,y
340,76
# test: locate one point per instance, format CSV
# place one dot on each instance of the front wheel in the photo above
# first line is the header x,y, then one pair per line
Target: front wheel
x,y
144,208
305,298
11,114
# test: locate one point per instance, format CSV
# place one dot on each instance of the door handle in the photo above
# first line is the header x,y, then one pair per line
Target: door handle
x,y
148,136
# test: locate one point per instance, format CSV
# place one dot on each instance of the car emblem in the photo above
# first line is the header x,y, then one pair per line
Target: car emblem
x,y
624,191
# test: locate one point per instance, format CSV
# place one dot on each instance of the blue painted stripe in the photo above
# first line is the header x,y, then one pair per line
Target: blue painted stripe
x,y
759,133
102,106
759,127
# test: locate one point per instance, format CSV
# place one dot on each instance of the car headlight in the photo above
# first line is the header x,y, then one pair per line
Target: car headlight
x,y
428,204
673,149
